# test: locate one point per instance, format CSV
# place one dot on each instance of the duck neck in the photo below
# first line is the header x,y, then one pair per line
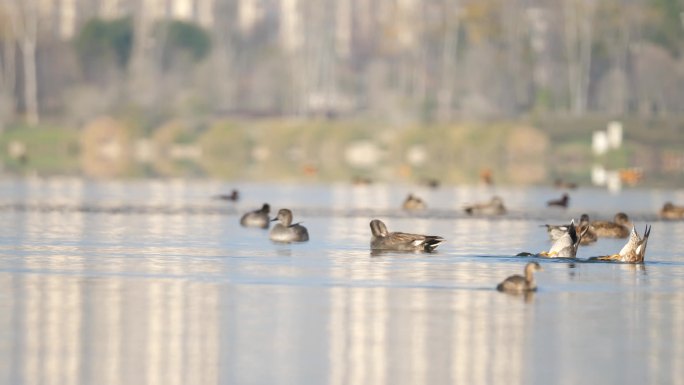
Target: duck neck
x,y
529,276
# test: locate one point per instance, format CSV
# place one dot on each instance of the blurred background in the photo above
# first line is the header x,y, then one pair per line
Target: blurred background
x,y
524,91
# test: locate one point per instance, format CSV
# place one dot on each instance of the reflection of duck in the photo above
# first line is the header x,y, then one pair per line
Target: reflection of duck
x,y
257,218
519,284
562,202
382,239
233,196
557,231
619,228
286,231
566,246
494,207
670,211
413,202
635,249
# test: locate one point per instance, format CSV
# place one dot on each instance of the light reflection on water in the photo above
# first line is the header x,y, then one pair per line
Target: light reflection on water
x,y
162,298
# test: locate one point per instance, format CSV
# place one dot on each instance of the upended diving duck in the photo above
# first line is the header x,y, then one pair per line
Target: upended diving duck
x,y
557,231
635,249
383,240
286,231
566,246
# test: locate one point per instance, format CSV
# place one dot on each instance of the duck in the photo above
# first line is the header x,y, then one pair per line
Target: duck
x,y
635,249
413,202
566,246
557,231
562,202
671,211
286,231
619,228
561,184
382,239
257,218
495,206
233,196
519,284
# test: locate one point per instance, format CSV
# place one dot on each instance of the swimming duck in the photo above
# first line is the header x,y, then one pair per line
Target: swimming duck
x,y
495,206
257,218
619,228
566,246
562,202
286,231
670,211
518,283
233,196
561,184
635,249
413,202
382,239
557,231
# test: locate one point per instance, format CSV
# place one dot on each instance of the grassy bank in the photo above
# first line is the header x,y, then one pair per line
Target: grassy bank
x,y
532,150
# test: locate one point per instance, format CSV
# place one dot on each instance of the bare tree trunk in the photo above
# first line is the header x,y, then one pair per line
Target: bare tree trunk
x,y
8,75
448,60
28,50
24,21
579,18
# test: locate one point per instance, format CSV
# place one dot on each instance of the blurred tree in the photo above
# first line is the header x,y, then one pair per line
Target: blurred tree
x,y
8,78
182,41
100,42
666,25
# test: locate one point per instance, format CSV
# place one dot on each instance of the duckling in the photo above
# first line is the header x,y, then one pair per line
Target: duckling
x,y
519,284
562,202
382,239
413,202
257,218
286,231
566,246
619,228
670,211
557,231
495,206
635,249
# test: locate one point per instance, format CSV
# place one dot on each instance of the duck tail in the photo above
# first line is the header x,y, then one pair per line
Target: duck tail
x,y
432,242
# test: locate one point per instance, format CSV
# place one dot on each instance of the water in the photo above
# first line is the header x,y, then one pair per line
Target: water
x,y
154,282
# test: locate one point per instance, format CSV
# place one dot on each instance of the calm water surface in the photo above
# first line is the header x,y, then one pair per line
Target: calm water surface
x,y
153,282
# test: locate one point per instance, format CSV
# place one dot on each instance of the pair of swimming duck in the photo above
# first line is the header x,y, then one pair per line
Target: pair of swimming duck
x,y
284,231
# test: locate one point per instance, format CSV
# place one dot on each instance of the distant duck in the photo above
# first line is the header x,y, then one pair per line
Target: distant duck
x,y
561,184
431,182
257,218
566,246
519,284
619,228
670,211
286,231
361,181
562,202
557,231
495,206
233,196
635,249
413,202
382,239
